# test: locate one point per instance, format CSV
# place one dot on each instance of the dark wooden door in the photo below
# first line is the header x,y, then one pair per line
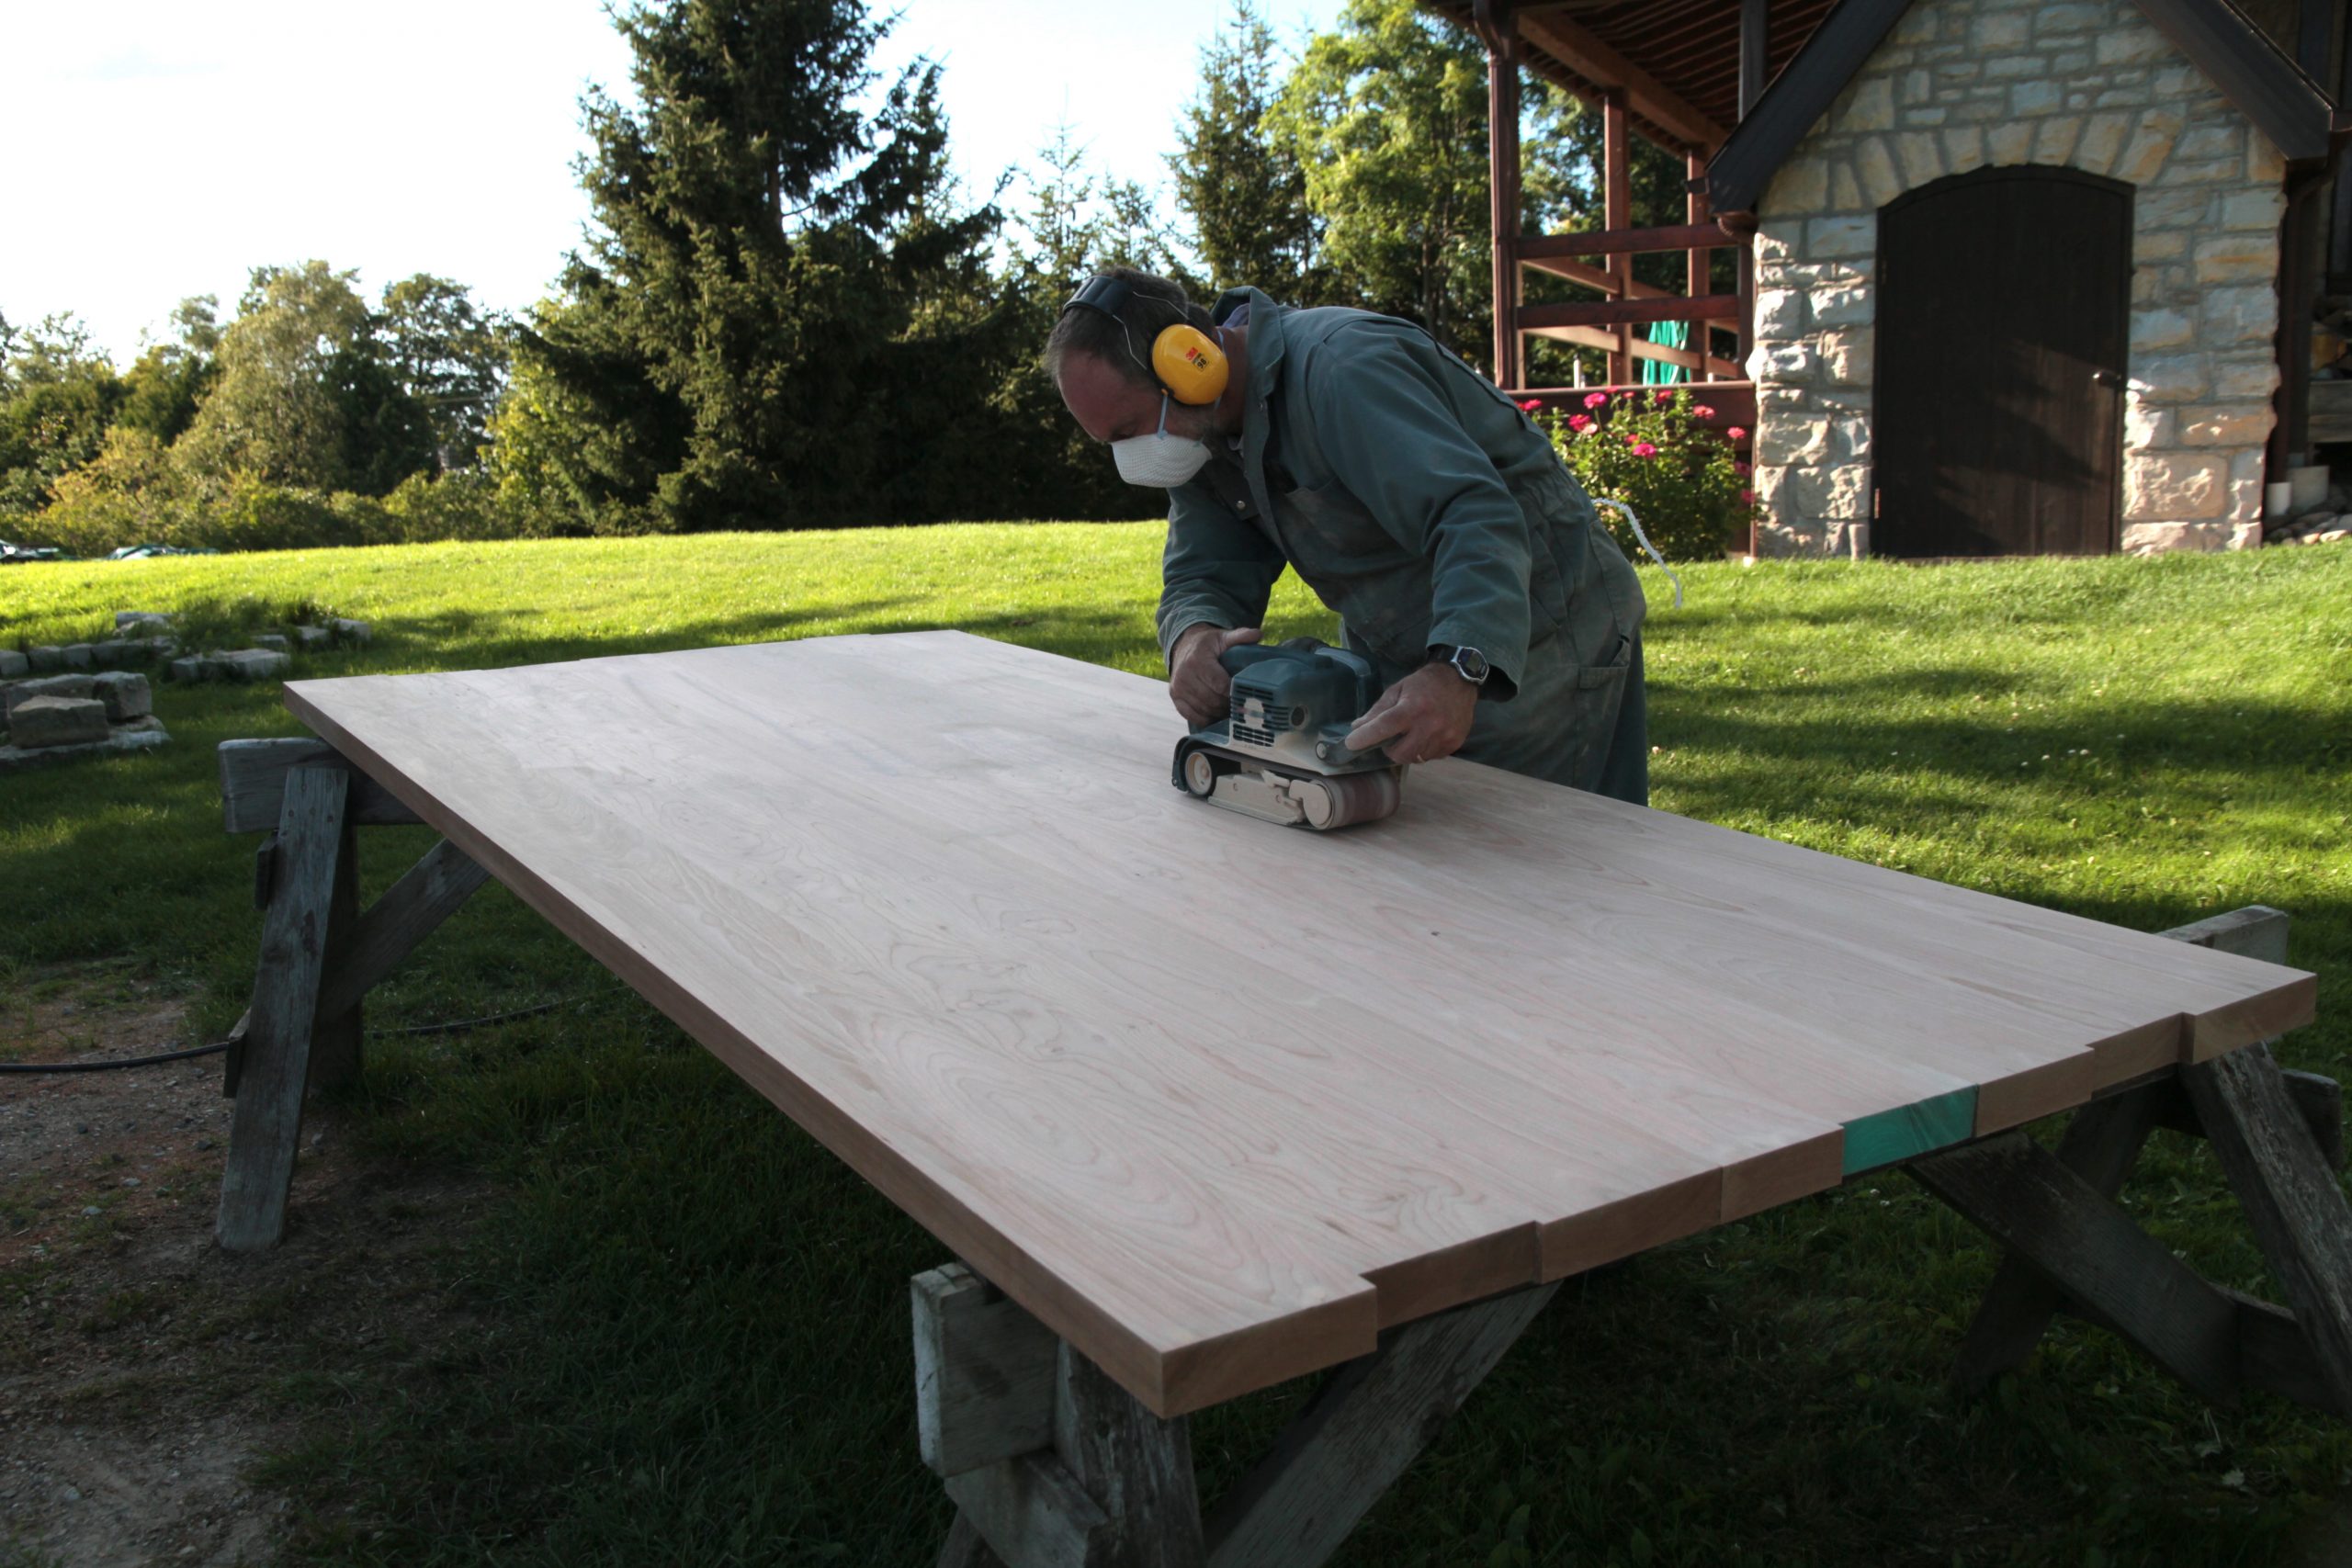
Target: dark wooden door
x,y
2003,303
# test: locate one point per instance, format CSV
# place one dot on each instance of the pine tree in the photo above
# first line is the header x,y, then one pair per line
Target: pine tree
x,y
1241,185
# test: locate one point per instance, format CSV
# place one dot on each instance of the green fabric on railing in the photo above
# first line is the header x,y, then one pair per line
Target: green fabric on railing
x,y
1673,335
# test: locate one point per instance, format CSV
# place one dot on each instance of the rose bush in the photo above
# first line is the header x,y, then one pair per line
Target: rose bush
x,y
1648,448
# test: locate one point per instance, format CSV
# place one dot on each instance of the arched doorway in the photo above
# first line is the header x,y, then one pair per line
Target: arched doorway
x,y
2004,302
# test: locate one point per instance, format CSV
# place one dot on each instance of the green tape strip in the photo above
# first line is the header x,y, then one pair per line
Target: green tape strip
x,y
1892,1136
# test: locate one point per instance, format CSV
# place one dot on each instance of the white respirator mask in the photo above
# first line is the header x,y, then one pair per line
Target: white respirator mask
x,y
1160,459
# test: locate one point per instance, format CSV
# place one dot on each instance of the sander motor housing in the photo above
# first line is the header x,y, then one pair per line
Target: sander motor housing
x,y
1281,752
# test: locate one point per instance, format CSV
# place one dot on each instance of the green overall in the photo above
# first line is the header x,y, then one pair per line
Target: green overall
x,y
1422,505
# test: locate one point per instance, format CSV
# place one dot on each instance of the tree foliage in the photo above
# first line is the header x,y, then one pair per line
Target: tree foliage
x,y
1240,182
57,398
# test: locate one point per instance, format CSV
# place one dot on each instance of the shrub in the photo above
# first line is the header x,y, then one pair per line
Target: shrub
x,y
1648,449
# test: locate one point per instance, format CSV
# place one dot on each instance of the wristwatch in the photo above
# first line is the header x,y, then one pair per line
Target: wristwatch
x,y
1468,662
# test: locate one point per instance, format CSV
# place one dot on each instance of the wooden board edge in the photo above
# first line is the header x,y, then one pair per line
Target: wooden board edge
x,y
2290,1005
1665,1214
1466,1271
1797,1170
1226,1366
2139,1052
2036,1092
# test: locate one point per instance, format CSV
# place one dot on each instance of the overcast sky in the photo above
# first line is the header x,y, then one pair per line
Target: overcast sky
x,y
161,148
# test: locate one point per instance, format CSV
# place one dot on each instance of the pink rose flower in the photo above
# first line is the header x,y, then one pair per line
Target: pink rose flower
x,y
1531,405
1740,469
1736,433
1579,422
1702,412
1747,497
1644,449
1596,399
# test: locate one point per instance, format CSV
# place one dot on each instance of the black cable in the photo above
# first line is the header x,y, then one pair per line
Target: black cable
x,y
455,1026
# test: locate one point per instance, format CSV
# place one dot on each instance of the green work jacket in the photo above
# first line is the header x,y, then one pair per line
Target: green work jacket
x,y
1414,498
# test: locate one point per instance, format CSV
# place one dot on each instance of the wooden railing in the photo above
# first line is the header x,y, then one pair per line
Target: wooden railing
x,y
1608,324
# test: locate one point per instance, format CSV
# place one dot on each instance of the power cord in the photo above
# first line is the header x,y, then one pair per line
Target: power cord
x,y
455,1026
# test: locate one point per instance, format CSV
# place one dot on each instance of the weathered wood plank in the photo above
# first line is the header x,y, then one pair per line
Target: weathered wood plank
x,y
253,784
2276,1356
1137,1465
2256,931
1032,1513
2017,1192
965,1548
267,1122
2292,1198
984,1373
408,912
337,1039
1361,1431
2099,1145
2319,1102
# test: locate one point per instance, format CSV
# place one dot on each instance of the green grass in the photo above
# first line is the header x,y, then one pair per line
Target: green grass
x,y
691,1340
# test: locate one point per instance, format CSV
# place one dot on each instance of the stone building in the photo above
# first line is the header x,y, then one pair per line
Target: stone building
x,y
2015,268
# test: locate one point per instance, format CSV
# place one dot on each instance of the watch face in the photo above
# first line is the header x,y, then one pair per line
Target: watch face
x,y
1472,663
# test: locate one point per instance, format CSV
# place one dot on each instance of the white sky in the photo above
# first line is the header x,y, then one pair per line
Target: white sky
x,y
161,148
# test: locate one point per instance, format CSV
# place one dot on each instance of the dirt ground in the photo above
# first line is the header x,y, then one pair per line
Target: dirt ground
x,y
144,1372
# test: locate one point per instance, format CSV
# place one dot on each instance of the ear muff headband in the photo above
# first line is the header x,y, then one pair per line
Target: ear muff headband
x,y
1187,361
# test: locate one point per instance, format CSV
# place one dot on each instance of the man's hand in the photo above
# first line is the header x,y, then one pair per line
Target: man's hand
x,y
1197,684
1420,718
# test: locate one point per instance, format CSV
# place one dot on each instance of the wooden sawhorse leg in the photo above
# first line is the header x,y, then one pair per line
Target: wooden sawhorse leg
x,y
319,957
2279,1139
1051,1462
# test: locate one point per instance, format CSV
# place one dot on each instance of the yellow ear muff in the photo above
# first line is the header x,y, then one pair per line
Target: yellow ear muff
x,y
1190,364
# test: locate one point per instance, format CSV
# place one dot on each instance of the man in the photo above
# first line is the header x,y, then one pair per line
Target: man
x,y
1405,491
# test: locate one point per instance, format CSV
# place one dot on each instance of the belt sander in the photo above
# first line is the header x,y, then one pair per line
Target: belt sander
x,y
1280,754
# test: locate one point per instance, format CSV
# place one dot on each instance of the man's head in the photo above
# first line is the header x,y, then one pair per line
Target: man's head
x,y
1102,361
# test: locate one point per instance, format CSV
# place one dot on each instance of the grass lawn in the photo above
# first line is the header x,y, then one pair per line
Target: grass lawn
x,y
687,1337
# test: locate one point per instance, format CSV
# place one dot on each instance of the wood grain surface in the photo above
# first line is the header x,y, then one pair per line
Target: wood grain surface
x,y
1219,1100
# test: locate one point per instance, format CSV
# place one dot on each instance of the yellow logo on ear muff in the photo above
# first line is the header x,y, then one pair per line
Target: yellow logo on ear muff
x,y
1190,364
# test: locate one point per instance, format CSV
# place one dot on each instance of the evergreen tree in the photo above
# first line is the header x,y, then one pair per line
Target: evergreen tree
x,y
738,324
1239,183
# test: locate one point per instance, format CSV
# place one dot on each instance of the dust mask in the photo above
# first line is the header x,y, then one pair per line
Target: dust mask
x,y
1160,459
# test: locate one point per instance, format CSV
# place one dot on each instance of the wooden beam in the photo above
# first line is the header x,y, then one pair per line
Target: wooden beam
x,y
1754,52
2292,1198
1785,110
252,785
1502,152
1612,312
1583,51
409,910
1617,212
1618,238
2252,72
2017,1192
1642,348
984,1373
267,1123
1363,1428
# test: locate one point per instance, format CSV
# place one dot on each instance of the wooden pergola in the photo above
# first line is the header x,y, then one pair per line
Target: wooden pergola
x,y
1679,74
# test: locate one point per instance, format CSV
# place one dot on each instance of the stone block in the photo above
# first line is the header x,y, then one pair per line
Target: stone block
x,y
2151,145
2148,425
2264,164
2154,538
1847,305
1917,87
2245,376
2239,313
2238,258
1840,491
77,656
2226,423
2008,143
2055,137
2035,96
1787,362
112,654
310,639
139,735
1785,439
2163,244
1849,438
1925,119
193,667
1874,166
2170,377
273,640
1964,149
56,721
2154,329
12,664
357,633
2174,487
142,623
1845,191
1846,355
2212,140
2052,21
1841,236
47,686
1780,313
1917,27
2134,43
1870,105
2206,171
126,695
2000,30
253,664
2103,137
2253,210
1801,186
1921,157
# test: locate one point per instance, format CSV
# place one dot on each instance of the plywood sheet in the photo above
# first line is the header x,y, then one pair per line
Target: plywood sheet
x,y
1219,1101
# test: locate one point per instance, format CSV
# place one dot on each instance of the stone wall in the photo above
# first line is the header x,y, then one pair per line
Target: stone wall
x,y
2088,84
